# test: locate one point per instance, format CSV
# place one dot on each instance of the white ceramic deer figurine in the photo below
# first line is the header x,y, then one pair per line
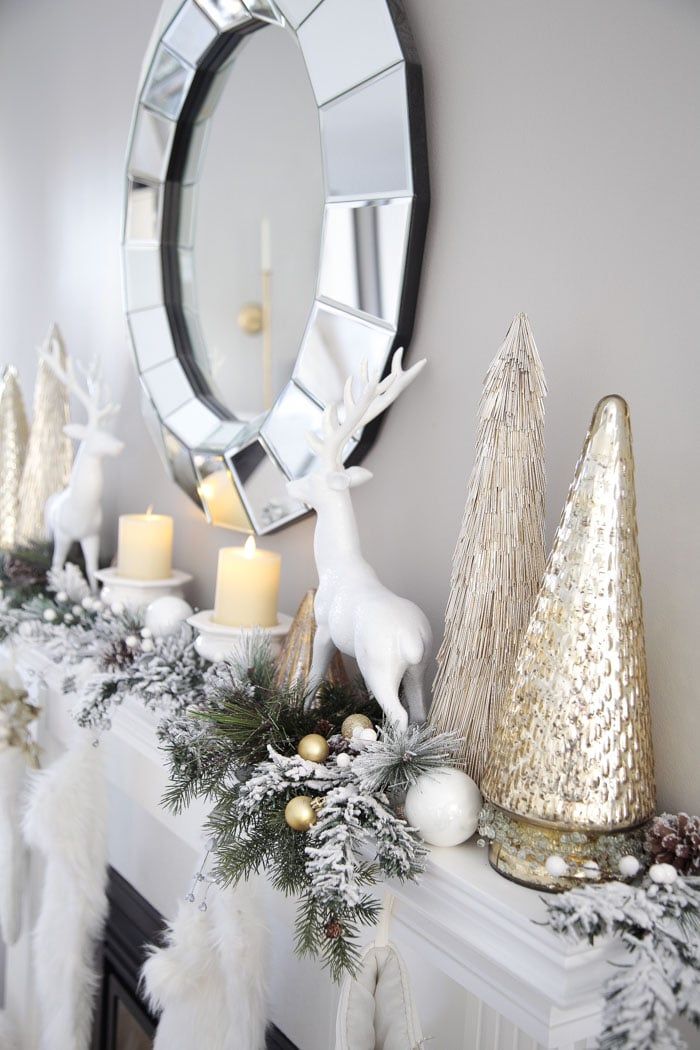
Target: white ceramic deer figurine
x,y
76,512
388,636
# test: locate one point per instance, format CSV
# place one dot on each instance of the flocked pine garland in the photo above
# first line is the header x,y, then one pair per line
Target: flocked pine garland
x,y
238,750
59,613
657,920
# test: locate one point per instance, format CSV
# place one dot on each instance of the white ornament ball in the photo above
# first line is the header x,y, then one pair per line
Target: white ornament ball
x,y
49,615
146,632
444,806
663,874
629,866
87,602
77,610
368,734
147,645
61,596
118,608
556,866
343,761
164,615
131,641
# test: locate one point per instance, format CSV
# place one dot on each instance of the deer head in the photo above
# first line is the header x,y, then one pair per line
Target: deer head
x,y
97,440
340,423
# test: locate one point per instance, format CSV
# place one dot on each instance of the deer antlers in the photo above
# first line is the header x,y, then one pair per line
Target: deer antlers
x,y
62,366
374,397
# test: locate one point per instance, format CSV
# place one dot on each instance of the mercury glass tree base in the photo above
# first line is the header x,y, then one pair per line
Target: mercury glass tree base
x,y
519,850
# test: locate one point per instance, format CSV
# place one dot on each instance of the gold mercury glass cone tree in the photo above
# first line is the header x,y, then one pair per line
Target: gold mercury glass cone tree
x,y
294,662
571,769
49,453
14,433
499,559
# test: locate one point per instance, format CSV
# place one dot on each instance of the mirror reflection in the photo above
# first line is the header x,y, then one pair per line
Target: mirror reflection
x,y
250,274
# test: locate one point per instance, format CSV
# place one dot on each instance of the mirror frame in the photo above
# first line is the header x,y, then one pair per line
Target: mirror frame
x,y
224,464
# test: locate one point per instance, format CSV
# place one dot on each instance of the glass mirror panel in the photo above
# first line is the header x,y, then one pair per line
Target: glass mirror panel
x,y
346,42
167,83
168,387
193,422
226,14
334,347
151,336
295,11
181,467
364,245
264,488
151,144
260,194
284,431
218,493
190,33
143,211
366,143
143,277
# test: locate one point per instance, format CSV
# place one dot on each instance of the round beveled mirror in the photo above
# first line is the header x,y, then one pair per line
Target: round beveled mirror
x,y
274,223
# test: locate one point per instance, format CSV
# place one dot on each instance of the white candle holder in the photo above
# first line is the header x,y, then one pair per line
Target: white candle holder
x,y
215,641
135,594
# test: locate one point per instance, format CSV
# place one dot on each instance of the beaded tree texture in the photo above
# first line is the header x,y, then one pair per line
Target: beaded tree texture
x,y
500,557
571,769
14,433
49,453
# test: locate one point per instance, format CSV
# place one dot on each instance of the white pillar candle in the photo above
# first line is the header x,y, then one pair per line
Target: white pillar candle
x,y
247,586
145,546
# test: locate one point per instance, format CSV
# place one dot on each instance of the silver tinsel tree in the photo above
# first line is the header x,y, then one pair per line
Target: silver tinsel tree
x,y
499,559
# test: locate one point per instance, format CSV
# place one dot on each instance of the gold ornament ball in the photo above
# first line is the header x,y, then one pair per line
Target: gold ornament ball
x,y
299,813
353,722
313,747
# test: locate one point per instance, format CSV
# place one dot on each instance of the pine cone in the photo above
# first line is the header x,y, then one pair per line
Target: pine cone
x,y
21,573
117,656
334,930
323,727
675,840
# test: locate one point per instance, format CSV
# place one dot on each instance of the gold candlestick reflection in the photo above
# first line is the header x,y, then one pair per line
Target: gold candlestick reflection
x,y
267,337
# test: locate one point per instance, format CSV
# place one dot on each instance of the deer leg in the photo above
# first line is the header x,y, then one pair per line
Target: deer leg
x,y
415,693
61,546
384,683
91,552
322,655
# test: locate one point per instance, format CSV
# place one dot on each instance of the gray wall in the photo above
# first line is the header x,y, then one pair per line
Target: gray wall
x,y
565,165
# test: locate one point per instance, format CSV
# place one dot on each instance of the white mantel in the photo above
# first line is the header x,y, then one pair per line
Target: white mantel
x,y
485,974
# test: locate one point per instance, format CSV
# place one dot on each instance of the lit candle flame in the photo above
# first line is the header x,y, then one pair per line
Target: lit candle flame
x,y
249,547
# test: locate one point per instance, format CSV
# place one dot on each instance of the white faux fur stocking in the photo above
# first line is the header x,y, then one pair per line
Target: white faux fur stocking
x,y
209,981
66,822
13,856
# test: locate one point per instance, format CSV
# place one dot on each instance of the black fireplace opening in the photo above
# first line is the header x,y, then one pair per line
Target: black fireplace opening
x,y
122,1018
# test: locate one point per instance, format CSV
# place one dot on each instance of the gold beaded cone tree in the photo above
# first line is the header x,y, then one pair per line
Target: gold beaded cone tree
x,y
49,453
294,662
499,558
571,769
14,433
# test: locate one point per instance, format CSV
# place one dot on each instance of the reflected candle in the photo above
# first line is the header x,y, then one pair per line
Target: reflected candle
x,y
247,586
145,549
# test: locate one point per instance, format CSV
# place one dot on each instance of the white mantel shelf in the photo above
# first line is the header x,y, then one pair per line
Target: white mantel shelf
x,y
482,931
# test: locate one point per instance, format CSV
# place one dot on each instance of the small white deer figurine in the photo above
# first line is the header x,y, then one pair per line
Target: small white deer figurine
x,y
388,636
76,512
